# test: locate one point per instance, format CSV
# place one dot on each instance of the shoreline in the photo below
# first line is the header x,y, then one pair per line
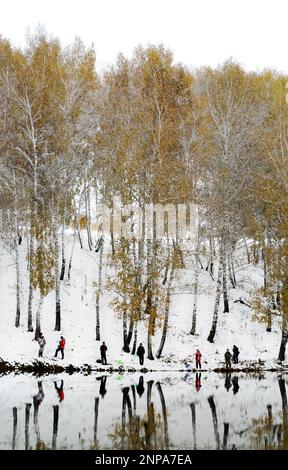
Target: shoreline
x,y
39,368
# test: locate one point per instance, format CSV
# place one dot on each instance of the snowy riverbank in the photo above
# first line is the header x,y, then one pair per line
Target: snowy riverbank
x,y
39,368
258,348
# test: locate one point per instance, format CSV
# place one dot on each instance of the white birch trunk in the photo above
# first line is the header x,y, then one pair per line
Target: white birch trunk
x,y
217,298
98,292
38,317
195,299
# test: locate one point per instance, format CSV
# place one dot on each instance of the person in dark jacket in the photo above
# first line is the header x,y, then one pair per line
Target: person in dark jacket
x,y
60,390
236,353
228,356
140,353
103,349
61,347
42,343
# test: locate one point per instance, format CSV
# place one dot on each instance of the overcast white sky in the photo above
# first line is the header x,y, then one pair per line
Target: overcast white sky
x,y
199,32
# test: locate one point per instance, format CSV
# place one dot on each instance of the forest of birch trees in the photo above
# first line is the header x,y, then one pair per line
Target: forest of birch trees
x,y
148,131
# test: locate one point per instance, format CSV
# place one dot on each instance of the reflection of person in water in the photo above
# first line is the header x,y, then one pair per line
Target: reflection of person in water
x,y
60,390
198,381
235,385
102,389
40,395
140,387
186,377
228,383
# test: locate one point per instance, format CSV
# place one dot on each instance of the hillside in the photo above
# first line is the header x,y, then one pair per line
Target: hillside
x,y
78,318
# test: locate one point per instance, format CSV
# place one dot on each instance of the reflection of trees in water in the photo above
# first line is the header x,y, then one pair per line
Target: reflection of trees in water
x,y
132,431
37,400
194,430
134,397
225,436
14,428
267,432
135,432
27,420
282,388
102,391
96,411
215,424
150,425
215,421
164,414
55,426
36,423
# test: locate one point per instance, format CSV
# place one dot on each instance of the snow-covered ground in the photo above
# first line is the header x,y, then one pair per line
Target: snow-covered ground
x,y
243,414
78,319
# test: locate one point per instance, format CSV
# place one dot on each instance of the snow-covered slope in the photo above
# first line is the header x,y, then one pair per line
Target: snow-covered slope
x,y
78,319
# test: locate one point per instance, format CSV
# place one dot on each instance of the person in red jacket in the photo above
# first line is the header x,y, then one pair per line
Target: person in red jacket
x,y
198,356
61,347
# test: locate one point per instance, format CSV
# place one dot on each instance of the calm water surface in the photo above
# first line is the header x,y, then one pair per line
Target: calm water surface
x,y
150,411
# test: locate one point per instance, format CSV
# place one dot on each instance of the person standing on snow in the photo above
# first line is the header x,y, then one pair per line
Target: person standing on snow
x,y
198,356
42,343
236,353
228,356
140,353
103,349
61,347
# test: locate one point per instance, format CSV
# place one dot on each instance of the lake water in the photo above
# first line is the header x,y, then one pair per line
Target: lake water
x,y
149,411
